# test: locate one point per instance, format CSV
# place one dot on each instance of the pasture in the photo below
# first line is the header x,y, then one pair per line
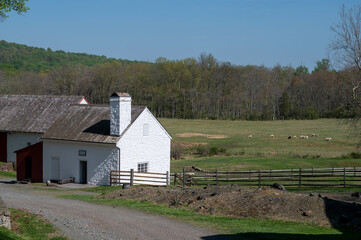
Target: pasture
x,y
262,151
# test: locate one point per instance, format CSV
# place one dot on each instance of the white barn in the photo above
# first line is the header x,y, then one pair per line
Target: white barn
x,y
24,118
88,141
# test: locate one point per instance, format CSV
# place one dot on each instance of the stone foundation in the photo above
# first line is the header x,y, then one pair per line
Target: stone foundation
x,y
4,215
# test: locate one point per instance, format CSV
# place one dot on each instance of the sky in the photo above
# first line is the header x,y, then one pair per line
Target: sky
x,y
242,32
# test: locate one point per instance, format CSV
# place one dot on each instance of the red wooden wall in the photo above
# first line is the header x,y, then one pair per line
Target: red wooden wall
x,y
3,147
36,153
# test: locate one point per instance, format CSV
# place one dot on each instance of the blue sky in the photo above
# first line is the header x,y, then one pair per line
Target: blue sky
x,y
268,32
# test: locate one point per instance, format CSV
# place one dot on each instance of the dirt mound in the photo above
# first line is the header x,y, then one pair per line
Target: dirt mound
x,y
268,203
185,135
7,167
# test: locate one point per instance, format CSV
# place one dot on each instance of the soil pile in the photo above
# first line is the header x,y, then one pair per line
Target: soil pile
x,y
326,210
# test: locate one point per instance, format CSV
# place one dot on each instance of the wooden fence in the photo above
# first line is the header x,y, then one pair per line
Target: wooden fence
x,y
139,178
312,177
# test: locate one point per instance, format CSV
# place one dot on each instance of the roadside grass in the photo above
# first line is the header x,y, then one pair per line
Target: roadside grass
x,y
7,174
8,235
29,226
228,225
261,151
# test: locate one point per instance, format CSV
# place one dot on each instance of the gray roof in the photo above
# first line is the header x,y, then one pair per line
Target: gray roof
x,y
30,113
86,123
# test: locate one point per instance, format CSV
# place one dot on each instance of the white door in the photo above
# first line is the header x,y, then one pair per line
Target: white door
x,y
55,168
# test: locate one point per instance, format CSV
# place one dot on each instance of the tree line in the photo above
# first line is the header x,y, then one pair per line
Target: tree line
x,y
198,88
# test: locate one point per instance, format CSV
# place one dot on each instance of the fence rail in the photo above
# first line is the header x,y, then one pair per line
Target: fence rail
x,y
315,177
139,178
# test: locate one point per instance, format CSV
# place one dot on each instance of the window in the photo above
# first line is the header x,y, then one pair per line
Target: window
x,y
82,153
142,167
145,129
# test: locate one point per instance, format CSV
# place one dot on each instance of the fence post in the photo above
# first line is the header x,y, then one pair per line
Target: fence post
x,y
167,178
354,171
110,177
299,178
270,174
333,170
131,176
312,172
184,177
216,176
344,177
259,178
227,175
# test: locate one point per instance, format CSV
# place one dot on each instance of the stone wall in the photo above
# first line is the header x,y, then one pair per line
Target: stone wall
x,y
4,215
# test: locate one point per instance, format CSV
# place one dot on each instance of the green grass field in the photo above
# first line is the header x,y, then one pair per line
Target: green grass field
x,y
261,151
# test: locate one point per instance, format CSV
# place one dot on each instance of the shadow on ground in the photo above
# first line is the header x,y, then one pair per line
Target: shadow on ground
x,y
345,216
286,236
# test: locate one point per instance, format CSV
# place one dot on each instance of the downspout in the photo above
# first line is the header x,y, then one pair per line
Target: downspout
x,y
118,157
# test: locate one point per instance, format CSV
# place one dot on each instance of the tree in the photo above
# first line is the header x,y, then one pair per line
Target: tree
x,y
346,46
7,6
346,50
323,66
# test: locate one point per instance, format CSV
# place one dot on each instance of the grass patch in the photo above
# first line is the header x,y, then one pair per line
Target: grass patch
x,y
8,174
261,151
32,227
236,227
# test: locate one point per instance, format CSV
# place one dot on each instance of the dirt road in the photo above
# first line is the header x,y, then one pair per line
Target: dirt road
x,y
81,220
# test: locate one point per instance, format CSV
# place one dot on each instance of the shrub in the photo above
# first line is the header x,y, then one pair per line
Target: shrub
x,y
176,151
205,151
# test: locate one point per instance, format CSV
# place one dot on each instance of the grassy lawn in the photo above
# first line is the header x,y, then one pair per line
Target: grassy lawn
x,y
239,228
261,151
29,226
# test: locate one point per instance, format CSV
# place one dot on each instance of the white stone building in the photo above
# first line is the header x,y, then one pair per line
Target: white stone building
x,y
87,141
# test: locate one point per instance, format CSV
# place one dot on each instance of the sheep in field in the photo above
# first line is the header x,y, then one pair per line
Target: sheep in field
x,y
289,137
250,136
271,136
295,137
328,139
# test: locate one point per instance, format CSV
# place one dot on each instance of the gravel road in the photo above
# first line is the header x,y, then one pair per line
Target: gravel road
x,y
81,220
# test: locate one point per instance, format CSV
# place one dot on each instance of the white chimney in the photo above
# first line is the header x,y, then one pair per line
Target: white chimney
x,y
120,112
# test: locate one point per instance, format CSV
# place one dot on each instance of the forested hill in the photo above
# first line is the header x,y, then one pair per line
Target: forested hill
x,y
200,87
18,57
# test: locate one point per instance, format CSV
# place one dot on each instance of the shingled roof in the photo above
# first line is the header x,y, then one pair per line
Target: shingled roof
x,y
86,123
30,113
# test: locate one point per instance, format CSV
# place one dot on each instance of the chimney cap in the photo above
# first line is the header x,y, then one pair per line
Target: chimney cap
x,y
119,94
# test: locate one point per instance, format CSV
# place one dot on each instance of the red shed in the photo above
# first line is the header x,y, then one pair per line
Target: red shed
x,y
29,163
3,147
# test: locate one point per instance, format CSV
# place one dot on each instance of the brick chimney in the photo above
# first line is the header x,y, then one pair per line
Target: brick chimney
x,y
120,112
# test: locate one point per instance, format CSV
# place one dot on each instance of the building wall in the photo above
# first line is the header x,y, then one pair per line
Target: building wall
x,y
3,147
153,149
36,153
101,158
16,141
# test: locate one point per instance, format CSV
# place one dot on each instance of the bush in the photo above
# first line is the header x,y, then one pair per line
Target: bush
x,y
176,151
205,151
355,155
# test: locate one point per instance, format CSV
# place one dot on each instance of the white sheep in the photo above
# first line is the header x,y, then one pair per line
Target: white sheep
x,y
271,136
250,136
328,139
